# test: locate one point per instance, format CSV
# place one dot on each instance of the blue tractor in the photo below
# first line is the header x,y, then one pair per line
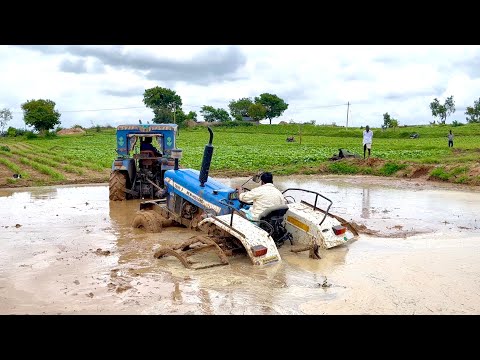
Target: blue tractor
x,y
138,173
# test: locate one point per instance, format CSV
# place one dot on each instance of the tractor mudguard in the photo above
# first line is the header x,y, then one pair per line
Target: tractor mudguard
x,y
249,235
302,221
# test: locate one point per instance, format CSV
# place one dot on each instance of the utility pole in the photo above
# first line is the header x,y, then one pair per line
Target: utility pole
x,y
348,108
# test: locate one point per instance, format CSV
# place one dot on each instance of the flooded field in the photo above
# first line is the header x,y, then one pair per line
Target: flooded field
x,y
69,250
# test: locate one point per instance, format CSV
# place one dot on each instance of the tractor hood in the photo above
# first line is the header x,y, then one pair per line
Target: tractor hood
x,y
184,182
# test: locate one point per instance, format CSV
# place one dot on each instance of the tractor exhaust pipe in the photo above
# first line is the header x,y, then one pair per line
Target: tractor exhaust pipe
x,y
207,160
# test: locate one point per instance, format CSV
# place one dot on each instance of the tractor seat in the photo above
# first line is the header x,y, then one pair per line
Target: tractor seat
x,y
274,216
147,154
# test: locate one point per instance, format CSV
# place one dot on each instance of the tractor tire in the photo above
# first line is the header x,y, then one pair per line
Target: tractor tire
x,y
148,220
117,185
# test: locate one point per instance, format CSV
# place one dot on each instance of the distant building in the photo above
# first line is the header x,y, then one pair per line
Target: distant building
x,y
249,119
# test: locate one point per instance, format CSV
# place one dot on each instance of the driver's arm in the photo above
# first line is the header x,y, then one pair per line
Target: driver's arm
x,y
248,196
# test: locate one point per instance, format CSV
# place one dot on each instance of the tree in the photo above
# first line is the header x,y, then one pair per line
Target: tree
x,y
274,105
257,112
239,108
40,114
473,112
162,101
386,120
210,114
5,117
192,115
393,123
442,111
222,115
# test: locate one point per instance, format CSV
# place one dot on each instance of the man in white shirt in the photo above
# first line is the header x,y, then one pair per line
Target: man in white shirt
x,y
367,140
263,197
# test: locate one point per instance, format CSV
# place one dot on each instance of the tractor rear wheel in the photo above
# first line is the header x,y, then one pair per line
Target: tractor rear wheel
x,y
117,185
148,220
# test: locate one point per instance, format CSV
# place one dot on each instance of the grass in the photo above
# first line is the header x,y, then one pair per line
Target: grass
x,y
43,169
243,150
14,167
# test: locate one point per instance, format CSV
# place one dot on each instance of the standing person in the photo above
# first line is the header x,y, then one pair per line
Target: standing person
x,y
367,140
263,197
450,139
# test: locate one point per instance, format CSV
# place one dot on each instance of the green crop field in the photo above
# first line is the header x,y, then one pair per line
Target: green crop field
x,y
243,150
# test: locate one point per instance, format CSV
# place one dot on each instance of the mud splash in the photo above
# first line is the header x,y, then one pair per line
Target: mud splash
x,y
76,252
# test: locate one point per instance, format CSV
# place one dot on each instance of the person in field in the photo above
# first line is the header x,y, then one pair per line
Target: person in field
x,y
367,140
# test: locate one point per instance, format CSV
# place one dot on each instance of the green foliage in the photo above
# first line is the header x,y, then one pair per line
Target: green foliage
x,y
5,117
473,112
4,148
12,132
391,168
340,167
462,179
440,173
257,111
43,169
51,135
31,135
456,123
192,115
239,108
274,105
14,167
162,98
98,128
40,114
386,120
164,102
442,111
244,147
210,114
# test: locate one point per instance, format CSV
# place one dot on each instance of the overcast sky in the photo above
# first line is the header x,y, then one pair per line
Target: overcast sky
x,y
104,84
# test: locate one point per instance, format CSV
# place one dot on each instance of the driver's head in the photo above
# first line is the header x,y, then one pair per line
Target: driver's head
x,y
267,178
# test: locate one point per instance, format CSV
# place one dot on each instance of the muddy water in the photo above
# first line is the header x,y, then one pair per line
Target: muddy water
x,y
69,250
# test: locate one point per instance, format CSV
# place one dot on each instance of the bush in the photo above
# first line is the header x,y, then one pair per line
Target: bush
x,y
391,168
455,123
12,132
340,167
31,135
78,127
51,135
58,128
4,148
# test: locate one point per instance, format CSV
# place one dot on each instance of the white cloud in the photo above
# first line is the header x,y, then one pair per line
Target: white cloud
x,y
400,80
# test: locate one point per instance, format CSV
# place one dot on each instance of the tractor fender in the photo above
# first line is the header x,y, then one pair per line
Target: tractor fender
x,y
125,165
249,235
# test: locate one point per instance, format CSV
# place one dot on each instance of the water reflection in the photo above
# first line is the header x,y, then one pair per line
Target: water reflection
x,y
366,203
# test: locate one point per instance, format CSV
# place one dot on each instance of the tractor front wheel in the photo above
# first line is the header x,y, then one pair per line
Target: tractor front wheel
x,y
117,185
148,220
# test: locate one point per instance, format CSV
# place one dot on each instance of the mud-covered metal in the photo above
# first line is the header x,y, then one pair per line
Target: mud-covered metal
x,y
248,234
